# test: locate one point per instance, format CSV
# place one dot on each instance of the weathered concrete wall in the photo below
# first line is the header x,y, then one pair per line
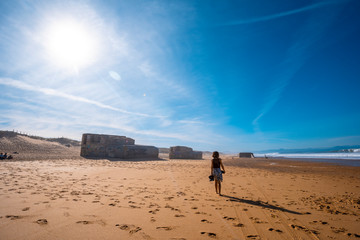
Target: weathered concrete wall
x,y
112,146
139,151
102,139
246,155
181,152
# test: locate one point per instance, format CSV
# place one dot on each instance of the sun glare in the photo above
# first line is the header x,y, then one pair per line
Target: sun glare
x,y
70,44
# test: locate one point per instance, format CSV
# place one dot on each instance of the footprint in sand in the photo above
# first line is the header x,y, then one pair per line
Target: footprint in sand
x,y
354,234
154,211
321,222
13,217
202,213
276,230
257,220
181,194
42,221
132,228
229,218
84,222
165,228
135,230
133,206
255,237
338,230
212,235
298,227
172,208
205,221
238,225
25,209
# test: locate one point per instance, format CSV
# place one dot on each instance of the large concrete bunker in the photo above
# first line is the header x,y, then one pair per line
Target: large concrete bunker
x,y
181,152
112,146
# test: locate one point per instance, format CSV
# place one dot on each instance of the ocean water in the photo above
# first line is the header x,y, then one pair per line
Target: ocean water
x,y
346,159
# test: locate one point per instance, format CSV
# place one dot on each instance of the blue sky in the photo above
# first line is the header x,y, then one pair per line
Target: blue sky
x,y
213,75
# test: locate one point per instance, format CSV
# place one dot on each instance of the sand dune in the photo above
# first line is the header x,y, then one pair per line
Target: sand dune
x,y
26,148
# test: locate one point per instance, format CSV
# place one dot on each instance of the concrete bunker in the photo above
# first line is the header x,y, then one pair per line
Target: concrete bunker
x,y
112,146
181,152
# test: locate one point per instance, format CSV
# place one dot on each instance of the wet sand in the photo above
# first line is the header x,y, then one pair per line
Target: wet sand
x,y
173,199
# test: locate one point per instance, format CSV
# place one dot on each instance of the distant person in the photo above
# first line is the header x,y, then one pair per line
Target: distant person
x,y
5,156
1,155
216,163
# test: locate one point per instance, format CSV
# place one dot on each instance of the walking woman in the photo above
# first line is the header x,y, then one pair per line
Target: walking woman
x,y
216,163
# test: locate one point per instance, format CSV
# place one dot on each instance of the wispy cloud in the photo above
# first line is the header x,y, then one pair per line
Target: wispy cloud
x,y
167,83
191,122
74,126
146,69
299,51
47,121
282,14
52,92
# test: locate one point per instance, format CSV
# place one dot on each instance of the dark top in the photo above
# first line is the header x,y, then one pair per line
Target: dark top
x,y
216,162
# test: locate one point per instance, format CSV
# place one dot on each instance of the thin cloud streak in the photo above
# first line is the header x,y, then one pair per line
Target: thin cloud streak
x,y
76,126
72,126
53,92
297,55
279,15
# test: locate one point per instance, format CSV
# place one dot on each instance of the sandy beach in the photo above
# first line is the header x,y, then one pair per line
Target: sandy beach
x,y
173,199
76,198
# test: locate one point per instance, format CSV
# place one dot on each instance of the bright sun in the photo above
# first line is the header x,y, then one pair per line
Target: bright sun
x,y
70,44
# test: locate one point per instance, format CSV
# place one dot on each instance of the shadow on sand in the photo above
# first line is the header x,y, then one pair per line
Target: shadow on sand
x,y
259,204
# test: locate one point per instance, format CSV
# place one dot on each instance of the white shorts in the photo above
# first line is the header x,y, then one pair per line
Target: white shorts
x,y
217,174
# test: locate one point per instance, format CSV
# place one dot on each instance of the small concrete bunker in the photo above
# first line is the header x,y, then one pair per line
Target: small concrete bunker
x,y
112,146
181,152
246,155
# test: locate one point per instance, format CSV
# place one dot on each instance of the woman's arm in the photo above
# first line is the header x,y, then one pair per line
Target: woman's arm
x,y
212,167
222,165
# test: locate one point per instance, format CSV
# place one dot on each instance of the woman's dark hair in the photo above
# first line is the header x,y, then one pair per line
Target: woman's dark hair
x,y
215,154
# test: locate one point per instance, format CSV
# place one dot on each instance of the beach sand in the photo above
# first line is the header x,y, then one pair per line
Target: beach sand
x,y
173,199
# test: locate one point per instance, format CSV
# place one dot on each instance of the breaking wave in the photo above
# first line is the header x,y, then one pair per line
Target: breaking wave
x,y
347,155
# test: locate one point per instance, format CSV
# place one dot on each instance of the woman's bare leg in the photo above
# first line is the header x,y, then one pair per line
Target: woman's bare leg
x,y
219,187
216,186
